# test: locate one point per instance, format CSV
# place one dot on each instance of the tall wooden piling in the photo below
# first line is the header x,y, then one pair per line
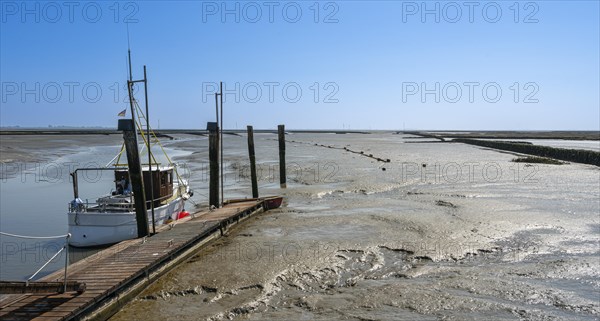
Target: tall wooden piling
x,y
221,128
281,134
75,185
149,148
252,162
135,174
213,156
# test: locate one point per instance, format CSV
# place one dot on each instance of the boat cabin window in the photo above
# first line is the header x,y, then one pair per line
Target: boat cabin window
x,y
163,186
166,178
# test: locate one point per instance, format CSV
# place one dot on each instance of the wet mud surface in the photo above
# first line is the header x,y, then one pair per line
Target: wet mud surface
x,y
424,239
445,232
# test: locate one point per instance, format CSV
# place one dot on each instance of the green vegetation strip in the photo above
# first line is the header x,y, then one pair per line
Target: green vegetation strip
x,y
570,155
538,160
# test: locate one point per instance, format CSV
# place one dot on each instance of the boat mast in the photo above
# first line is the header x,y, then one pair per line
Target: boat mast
x,y
130,83
129,88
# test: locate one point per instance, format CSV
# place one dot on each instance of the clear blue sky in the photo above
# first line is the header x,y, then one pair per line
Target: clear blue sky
x,y
370,60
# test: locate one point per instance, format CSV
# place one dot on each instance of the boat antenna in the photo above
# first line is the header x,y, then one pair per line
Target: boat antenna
x,y
129,53
129,84
130,81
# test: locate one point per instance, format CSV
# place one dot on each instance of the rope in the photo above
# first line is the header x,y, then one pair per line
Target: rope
x,y
148,142
192,201
34,237
117,156
138,112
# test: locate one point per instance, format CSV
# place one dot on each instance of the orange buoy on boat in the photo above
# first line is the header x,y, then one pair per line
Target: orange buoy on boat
x,y
183,214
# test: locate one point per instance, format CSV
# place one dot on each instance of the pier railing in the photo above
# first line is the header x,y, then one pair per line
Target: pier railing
x,y
65,248
87,206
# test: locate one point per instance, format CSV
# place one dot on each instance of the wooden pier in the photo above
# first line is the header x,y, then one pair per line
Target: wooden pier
x,y
118,273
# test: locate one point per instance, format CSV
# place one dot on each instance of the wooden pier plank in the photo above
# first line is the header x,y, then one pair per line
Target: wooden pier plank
x,y
109,270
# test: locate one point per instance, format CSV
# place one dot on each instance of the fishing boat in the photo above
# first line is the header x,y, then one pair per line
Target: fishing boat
x,y
111,218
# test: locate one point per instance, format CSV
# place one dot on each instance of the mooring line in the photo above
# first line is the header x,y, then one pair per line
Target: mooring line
x,y
34,237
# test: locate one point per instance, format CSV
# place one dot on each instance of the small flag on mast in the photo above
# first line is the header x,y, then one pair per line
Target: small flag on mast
x,y
122,114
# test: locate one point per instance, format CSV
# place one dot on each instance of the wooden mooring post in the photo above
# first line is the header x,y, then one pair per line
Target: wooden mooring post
x,y
75,185
281,134
135,174
252,162
213,156
221,128
149,148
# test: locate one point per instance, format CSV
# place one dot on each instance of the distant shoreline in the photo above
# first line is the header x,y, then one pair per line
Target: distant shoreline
x,y
559,134
108,131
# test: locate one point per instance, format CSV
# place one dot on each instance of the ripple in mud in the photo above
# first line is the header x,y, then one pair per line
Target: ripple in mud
x,y
394,281
167,294
445,204
291,287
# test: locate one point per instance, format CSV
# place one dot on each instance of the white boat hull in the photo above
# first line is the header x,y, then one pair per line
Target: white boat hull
x,y
96,228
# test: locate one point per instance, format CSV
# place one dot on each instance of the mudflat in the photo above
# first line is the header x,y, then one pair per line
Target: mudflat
x,y
39,148
446,231
441,231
